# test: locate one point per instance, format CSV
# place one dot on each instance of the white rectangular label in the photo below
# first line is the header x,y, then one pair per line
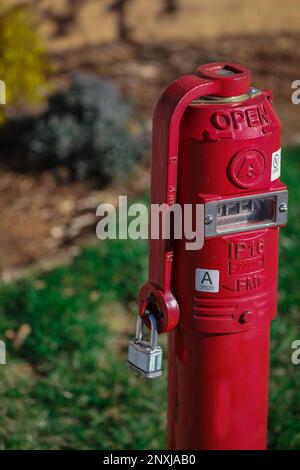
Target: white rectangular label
x,y
276,164
207,280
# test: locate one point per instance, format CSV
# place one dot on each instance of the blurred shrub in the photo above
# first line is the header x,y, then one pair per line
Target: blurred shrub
x,y
23,59
88,127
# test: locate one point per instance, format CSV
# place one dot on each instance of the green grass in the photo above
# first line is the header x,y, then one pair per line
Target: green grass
x,y
67,384
284,420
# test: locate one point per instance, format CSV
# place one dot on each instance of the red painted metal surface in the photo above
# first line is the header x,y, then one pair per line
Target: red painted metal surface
x,y
164,176
219,341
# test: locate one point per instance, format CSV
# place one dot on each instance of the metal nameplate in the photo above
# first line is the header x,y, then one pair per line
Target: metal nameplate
x,y
241,214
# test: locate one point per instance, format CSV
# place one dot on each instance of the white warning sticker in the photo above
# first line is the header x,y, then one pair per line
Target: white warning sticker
x,y
276,164
207,280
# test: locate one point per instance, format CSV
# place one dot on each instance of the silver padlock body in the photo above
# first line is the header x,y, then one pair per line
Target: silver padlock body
x,y
144,360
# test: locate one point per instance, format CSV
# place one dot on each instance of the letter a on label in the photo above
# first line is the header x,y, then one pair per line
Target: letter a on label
x,y
207,280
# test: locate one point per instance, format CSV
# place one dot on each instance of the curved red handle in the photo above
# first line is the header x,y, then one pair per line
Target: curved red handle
x,y
219,79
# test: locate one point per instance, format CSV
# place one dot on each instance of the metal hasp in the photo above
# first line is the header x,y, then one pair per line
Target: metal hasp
x,y
217,302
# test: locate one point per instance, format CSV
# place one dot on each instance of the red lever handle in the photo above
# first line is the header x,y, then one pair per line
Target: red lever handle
x,y
219,79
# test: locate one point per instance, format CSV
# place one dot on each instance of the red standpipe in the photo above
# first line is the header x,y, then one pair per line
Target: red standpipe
x,y
216,141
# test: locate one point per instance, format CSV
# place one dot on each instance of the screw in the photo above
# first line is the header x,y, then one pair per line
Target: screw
x,y
253,91
208,219
283,207
246,317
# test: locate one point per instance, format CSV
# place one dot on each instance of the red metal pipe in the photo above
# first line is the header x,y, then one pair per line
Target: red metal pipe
x,y
218,390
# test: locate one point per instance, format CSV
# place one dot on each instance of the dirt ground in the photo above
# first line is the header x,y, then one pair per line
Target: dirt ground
x,y
43,219
143,70
196,20
45,223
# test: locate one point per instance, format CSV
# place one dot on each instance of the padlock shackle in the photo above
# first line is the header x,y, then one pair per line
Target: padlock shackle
x,y
153,324
221,79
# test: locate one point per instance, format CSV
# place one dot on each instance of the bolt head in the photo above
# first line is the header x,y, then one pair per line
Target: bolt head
x,y
208,219
246,317
252,91
283,207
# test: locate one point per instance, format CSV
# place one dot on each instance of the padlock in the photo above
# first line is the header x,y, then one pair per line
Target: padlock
x,y
145,357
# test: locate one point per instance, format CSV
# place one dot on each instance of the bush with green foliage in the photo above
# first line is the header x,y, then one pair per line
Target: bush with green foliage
x,y
89,128
24,62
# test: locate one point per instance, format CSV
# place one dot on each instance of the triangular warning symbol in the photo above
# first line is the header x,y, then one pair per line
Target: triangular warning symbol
x,y
251,167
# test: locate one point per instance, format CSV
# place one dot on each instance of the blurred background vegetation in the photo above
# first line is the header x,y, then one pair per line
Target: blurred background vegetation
x,y
82,78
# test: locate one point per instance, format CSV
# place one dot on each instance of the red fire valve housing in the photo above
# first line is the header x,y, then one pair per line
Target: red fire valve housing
x,y
216,142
